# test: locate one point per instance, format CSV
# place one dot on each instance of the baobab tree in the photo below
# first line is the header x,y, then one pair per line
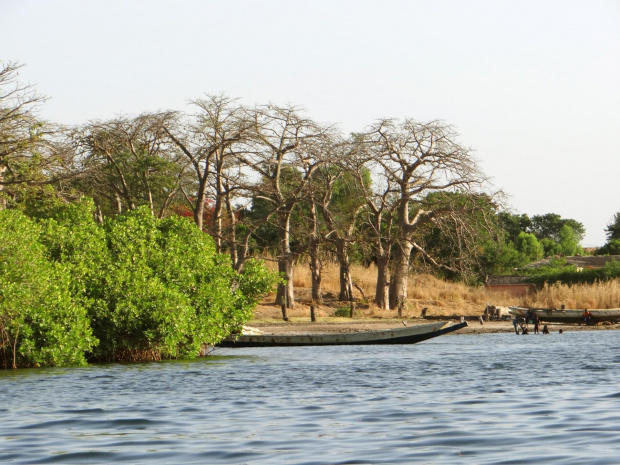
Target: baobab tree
x,y
410,160
379,220
208,139
341,203
285,155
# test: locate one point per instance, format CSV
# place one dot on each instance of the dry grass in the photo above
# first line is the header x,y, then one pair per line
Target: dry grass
x,y
599,295
438,297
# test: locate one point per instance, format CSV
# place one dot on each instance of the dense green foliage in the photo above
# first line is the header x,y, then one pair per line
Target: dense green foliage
x,y
528,244
611,248
543,235
567,274
144,288
549,226
41,323
613,228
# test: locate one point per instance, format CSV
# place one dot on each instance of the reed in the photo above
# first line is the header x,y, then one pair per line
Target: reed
x,y
598,295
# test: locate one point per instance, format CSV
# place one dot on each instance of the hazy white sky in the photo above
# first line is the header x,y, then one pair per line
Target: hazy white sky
x,y
532,86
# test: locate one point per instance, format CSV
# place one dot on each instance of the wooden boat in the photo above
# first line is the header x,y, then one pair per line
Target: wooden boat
x,y
406,335
552,315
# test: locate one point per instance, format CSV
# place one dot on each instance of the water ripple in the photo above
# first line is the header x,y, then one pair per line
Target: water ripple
x,y
484,399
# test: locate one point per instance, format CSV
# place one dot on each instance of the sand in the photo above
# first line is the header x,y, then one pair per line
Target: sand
x,y
474,327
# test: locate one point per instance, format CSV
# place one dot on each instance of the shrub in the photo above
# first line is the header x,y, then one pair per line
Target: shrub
x,y
153,288
570,275
342,312
135,288
611,248
41,324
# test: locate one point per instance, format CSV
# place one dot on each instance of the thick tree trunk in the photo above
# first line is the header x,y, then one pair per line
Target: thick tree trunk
x,y
382,289
286,290
346,281
399,280
234,253
315,271
217,219
216,222
199,206
199,209
315,261
241,256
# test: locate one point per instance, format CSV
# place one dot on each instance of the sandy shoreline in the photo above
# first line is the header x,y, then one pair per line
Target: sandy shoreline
x,y
474,327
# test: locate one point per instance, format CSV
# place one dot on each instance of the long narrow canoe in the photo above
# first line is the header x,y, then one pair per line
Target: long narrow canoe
x,y
406,335
552,315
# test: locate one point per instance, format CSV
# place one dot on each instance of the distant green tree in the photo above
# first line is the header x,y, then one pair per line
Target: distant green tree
x,y
465,250
33,153
502,258
549,226
548,229
611,248
21,131
550,247
529,246
514,224
127,162
613,228
568,243
341,201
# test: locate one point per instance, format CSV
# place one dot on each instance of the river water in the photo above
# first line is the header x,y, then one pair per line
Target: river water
x,y
489,398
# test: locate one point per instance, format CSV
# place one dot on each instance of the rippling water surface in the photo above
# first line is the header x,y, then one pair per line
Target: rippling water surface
x,y
494,398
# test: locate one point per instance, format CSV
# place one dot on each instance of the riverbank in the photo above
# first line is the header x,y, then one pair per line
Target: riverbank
x,y
339,326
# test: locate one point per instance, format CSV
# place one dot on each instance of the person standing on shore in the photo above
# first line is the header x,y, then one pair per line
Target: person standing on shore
x,y
529,315
586,317
536,322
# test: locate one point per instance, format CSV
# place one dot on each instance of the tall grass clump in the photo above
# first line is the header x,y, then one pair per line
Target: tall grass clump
x,y
604,294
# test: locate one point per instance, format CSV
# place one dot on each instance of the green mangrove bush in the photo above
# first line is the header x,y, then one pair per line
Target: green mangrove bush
x,y
145,288
41,324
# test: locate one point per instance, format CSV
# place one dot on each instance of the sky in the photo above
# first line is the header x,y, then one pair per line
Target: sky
x,y
532,87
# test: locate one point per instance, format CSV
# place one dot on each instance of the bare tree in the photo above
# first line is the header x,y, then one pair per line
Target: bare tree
x,y
341,202
129,161
411,160
380,213
285,157
32,152
208,140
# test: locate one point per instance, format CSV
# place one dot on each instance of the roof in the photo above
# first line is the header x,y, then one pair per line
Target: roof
x,y
506,280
